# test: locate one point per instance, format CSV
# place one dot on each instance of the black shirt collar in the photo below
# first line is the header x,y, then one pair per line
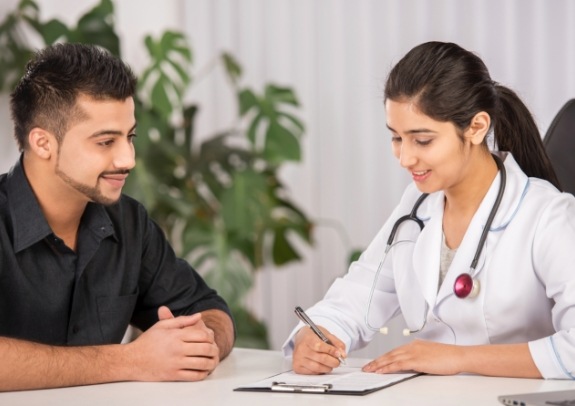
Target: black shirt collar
x,y
30,225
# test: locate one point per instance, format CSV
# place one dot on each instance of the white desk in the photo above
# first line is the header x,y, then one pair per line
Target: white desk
x,y
245,366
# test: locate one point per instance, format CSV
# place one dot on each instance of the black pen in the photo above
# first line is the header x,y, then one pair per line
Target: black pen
x,y
305,318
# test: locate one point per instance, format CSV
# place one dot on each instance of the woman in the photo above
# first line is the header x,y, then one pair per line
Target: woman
x,y
509,312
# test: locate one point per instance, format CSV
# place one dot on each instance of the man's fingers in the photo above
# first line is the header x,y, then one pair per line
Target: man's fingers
x,y
165,313
194,335
180,321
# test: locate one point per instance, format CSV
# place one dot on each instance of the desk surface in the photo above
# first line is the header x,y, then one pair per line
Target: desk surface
x,y
245,366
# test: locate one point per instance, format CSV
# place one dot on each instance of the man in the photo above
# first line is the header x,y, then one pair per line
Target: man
x,y
79,261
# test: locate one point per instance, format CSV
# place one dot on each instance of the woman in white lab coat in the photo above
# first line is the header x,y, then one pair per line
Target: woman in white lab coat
x,y
516,313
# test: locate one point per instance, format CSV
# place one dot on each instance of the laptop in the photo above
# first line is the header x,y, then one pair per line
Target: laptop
x,y
562,397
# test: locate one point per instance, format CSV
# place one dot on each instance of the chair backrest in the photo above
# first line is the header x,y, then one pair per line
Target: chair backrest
x,y
559,143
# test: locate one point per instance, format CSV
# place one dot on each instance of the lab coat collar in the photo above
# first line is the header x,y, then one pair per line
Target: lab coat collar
x,y
428,247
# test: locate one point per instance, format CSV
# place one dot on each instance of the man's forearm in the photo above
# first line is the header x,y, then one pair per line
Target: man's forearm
x,y
223,329
159,354
27,365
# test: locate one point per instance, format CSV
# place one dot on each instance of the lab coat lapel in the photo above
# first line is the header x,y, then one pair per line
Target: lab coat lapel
x,y
466,251
514,192
427,250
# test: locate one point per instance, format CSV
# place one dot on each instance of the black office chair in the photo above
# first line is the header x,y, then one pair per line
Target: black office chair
x,y
559,143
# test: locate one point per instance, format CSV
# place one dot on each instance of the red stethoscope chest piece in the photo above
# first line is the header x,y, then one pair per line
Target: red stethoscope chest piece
x,y
465,286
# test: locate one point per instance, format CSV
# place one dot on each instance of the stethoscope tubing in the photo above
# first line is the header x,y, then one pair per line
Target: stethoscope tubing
x,y
493,212
413,216
410,216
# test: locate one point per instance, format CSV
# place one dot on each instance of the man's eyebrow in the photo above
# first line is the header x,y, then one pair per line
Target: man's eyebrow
x,y
413,131
112,132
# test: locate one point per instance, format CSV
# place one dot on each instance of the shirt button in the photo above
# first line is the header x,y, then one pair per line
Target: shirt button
x,y
75,329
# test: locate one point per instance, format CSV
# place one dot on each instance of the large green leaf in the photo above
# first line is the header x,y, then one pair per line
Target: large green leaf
x,y
278,95
29,8
281,144
247,100
283,251
246,204
53,31
160,99
298,221
253,130
164,82
97,27
274,133
15,50
293,121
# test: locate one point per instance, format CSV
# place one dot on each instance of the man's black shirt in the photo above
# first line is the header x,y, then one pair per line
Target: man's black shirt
x,y
122,271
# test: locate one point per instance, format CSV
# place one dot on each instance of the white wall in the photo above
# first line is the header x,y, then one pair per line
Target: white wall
x,y
336,54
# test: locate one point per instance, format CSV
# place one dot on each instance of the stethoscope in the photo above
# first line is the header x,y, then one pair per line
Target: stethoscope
x,y
465,285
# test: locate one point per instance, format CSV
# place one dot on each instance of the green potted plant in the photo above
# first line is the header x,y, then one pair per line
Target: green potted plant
x,y
220,201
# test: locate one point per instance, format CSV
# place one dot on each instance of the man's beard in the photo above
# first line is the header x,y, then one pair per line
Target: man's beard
x,y
91,192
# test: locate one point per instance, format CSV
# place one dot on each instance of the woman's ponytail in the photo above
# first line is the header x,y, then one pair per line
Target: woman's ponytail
x,y
515,131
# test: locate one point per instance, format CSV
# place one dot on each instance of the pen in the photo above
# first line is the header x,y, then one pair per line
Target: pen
x,y
305,318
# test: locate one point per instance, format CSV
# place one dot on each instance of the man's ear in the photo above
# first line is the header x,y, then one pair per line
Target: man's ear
x,y
42,143
478,128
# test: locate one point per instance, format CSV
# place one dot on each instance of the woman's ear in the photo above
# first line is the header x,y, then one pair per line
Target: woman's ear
x,y
478,128
42,143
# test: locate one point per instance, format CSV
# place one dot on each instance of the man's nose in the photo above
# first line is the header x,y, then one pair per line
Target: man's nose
x,y
125,157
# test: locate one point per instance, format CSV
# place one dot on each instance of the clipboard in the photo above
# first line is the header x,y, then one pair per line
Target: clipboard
x,y
341,381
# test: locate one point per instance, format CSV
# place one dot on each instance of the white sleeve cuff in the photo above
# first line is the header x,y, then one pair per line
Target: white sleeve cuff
x,y
547,359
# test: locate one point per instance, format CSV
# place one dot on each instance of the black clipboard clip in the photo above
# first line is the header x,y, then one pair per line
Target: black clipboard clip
x,y
305,388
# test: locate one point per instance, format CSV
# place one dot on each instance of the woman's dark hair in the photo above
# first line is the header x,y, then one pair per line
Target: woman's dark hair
x,y
46,95
449,83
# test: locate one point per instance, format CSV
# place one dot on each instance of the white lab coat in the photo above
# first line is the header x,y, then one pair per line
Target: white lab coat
x,y
526,274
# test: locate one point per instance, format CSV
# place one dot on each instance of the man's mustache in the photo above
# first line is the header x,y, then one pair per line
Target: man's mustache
x,y
118,172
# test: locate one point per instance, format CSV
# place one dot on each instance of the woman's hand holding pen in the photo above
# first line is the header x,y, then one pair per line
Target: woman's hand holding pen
x,y
312,356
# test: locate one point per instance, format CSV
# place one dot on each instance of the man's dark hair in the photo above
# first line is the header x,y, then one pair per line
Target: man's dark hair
x,y
46,95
